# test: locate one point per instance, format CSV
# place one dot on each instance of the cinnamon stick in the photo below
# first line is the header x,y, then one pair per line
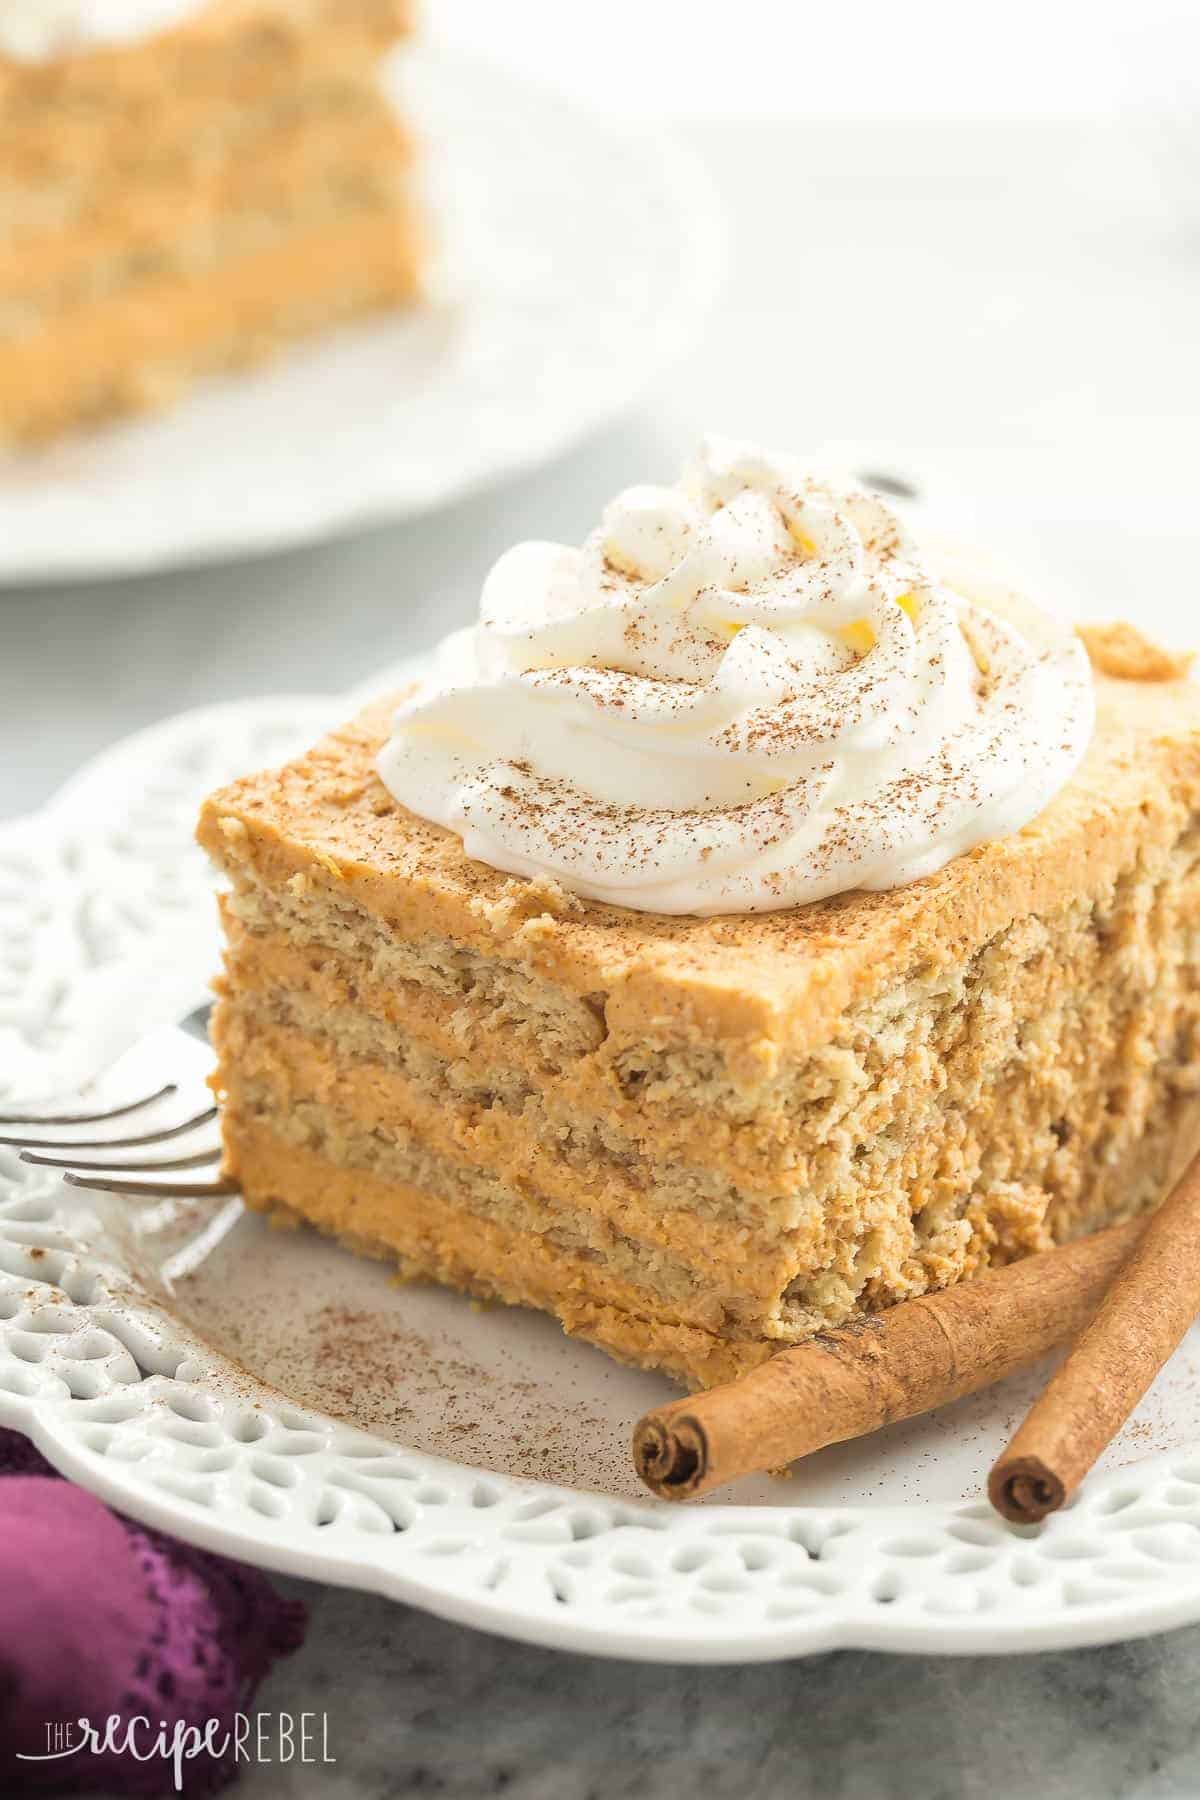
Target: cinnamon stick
x,y
905,1361
1141,1320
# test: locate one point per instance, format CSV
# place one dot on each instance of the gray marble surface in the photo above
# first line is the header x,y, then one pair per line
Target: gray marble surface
x,y
954,327
417,1706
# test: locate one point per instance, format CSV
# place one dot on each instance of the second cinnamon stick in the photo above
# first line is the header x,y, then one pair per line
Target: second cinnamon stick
x,y
905,1361
1141,1321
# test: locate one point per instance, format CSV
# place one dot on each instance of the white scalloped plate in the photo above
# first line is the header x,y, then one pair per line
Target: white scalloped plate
x,y
265,1394
576,258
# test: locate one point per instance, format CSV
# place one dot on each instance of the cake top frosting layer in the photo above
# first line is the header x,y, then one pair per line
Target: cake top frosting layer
x,y
40,30
745,692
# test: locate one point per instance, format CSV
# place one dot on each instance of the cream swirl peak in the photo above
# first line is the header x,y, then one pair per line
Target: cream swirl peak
x,y
743,693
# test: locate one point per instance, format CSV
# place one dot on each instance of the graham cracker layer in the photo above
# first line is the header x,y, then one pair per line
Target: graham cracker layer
x,y
432,1240
294,174
140,349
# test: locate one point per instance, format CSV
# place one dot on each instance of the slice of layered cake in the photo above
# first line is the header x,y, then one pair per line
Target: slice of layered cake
x,y
743,929
186,185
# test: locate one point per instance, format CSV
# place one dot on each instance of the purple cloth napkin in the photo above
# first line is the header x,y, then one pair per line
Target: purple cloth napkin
x,y
101,1617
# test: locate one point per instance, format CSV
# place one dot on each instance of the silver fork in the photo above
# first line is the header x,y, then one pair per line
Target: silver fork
x,y
162,1079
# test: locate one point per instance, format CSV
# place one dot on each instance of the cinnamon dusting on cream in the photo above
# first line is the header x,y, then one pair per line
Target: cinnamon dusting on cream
x,y
744,692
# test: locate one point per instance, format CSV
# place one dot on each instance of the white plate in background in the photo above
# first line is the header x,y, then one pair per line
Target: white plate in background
x,y
577,258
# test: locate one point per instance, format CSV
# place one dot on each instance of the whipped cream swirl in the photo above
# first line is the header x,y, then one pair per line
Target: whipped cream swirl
x,y
743,693
40,30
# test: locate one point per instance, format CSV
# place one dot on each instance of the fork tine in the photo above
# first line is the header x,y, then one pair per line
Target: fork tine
x,y
182,1190
84,1118
75,1162
149,1137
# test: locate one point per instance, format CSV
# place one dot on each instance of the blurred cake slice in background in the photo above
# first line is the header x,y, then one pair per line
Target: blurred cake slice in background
x,y
186,185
